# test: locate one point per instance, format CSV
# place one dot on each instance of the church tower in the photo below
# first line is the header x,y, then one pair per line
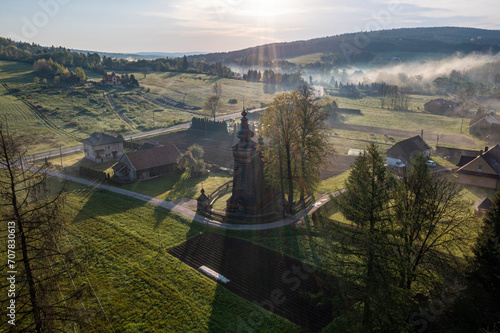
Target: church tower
x,y
248,181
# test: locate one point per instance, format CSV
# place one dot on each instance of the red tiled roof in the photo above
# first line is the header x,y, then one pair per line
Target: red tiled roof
x,y
154,157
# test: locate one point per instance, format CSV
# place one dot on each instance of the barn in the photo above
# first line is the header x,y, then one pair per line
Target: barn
x,y
147,163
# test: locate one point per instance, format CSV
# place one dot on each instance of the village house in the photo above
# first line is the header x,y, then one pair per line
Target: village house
x,y
440,106
485,126
483,171
408,149
349,91
111,79
100,147
147,163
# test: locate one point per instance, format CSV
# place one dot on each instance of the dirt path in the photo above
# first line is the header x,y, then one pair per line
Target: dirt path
x,y
429,137
113,107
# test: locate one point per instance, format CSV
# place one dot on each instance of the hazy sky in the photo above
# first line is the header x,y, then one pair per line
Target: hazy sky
x,y
222,25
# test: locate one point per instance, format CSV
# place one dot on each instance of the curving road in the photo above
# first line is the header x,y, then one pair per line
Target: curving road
x,y
136,136
189,214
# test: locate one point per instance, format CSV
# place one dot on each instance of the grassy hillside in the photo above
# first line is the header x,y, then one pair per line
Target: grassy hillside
x,y
164,99
33,129
193,89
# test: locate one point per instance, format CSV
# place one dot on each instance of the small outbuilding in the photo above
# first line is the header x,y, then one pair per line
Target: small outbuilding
x,y
482,206
408,149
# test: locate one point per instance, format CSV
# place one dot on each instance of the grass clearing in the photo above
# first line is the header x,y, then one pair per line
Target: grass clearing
x,y
140,287
193,89
14,72
179,185
416,120
306,59
333,184
33,131
475,193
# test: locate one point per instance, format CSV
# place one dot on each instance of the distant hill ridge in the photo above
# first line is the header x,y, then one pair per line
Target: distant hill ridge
x,y
439,40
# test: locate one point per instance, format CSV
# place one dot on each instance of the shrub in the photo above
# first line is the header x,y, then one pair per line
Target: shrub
x,y
73,123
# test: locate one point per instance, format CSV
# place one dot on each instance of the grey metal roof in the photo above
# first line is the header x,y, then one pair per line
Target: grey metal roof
x,y
98,138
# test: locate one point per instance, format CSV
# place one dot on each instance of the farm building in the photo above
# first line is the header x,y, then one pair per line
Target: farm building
x,y
100,147
147,163
408,149
485,125
440,106
349,91
483,171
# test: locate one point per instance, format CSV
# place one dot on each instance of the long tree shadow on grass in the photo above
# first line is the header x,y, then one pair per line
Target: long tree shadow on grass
x,y
100,202
263,268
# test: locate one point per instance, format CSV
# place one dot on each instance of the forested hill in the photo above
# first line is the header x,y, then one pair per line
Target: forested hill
x,y
62,57
362,46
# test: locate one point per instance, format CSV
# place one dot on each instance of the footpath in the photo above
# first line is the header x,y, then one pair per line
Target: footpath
x,y
191,215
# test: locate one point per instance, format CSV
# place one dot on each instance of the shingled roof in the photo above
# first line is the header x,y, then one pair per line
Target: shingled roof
x,y
484,204
488,119
98,138
464,160
492,157
154,157
408,148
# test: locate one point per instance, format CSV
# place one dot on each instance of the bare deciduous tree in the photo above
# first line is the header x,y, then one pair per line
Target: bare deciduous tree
x,y
212,105
45,299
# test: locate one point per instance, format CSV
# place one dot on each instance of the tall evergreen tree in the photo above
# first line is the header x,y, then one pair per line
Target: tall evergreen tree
x,y
366,203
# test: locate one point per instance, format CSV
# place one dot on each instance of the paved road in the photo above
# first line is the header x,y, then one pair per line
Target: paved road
x,y
139,135
189,214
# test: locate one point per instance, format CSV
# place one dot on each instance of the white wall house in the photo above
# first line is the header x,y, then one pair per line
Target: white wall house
x,y
100,147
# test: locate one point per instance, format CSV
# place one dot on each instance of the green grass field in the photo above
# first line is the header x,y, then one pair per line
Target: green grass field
x,y
306,59
33,130
79,111
179,185
140,287
414,120
193,89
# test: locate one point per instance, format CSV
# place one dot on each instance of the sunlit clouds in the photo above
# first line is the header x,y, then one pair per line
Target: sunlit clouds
x,y
223,25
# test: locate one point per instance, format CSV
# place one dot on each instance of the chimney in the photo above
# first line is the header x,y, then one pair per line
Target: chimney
x,y
485,149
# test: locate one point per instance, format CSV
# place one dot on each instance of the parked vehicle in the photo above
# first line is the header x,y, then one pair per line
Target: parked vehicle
x,y
394,162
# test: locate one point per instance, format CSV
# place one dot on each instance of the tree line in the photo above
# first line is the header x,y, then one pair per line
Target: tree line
x,y
26,52
48,69
274,81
